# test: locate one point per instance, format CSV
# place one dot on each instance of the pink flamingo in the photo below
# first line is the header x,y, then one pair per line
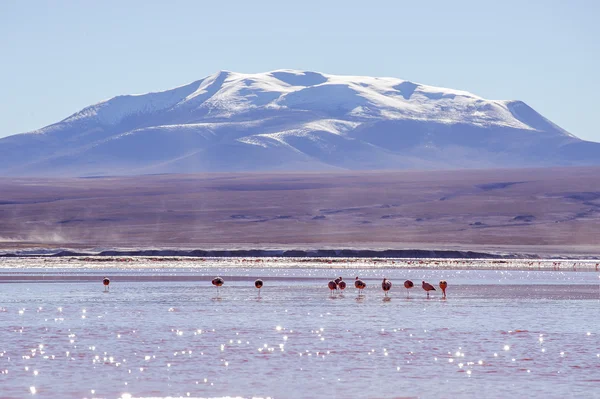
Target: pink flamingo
x,y
386,285
332,286
427,287
443,286
217,282
360,285
258,284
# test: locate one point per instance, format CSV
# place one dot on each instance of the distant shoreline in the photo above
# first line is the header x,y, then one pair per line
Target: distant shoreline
x,y
289,253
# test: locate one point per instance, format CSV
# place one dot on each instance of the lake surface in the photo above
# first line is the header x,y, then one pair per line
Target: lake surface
x,y
163,330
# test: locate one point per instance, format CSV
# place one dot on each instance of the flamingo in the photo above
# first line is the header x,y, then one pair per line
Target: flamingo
x,y
338,281
217,282
386,285
106,282
332,286
427,287
443,286
258,284
360,285
342,285
408,285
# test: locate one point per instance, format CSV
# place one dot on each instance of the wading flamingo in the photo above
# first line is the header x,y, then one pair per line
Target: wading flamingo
x,y
360,285
443,286
337,282
427,287
106,282
217,282
258,284
386,285
332,286
342,285
408,285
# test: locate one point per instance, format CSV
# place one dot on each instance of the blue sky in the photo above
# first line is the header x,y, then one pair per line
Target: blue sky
x,y
60,56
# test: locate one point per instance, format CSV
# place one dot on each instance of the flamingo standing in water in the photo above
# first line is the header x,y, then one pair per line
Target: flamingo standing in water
x,y
342,285
337,282
443,286
217,282
106,282
386,285
332,286
360,285
258,284
427,287
408,285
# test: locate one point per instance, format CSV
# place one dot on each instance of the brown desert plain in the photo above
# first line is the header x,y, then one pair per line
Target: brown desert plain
x,y
544,211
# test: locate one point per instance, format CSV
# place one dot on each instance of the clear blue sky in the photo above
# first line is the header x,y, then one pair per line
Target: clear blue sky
x,y
60,56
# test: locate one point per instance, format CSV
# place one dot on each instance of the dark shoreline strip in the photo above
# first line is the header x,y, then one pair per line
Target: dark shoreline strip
x,y
295,253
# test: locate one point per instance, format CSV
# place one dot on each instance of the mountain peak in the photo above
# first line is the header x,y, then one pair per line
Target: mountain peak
x,y
294,120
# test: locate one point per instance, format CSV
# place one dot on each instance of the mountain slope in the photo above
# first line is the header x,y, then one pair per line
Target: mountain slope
x,y
293,120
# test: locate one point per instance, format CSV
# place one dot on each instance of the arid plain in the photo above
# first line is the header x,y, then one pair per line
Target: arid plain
x,y
554,210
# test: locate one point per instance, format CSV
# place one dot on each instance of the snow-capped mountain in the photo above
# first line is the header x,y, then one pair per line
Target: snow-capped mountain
x,y
293,120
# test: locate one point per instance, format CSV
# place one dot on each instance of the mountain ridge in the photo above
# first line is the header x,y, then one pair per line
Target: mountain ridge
x,y
294,120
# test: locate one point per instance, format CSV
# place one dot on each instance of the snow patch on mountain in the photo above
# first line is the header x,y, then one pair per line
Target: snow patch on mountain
x,y
114,110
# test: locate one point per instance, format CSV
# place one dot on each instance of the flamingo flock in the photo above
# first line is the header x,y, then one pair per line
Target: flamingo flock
x,y
334,285
386,286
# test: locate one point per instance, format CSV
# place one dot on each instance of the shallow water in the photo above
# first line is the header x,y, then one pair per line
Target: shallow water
x,y
163,331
